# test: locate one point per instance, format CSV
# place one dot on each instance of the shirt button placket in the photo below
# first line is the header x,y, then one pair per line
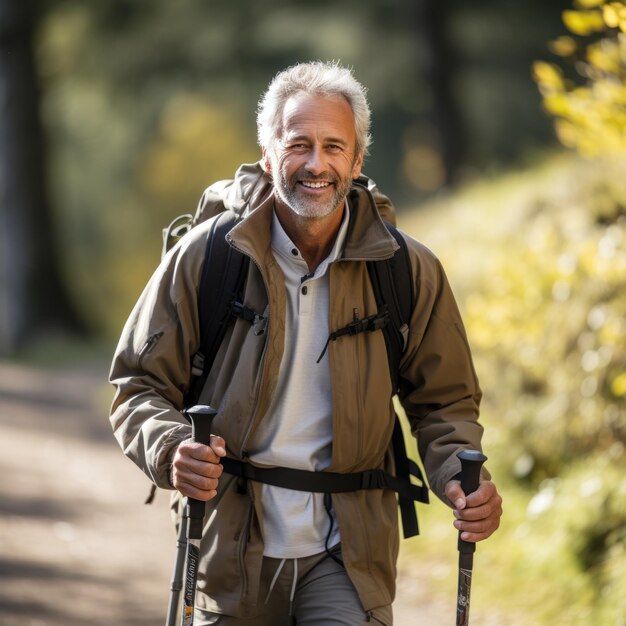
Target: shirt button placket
x,y
306,299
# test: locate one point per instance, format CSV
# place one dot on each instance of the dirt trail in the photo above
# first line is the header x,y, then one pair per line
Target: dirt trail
x,y
77,545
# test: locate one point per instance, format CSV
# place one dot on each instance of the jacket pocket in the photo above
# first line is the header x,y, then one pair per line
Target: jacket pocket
x,y
147,347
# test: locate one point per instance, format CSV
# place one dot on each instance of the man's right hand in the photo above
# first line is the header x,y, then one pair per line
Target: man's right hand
x,y
196,468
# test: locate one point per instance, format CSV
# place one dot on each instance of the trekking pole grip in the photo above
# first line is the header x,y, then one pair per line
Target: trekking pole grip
x,y
201,417
471,464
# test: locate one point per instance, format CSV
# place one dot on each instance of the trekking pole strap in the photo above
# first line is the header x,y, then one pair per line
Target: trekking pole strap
x,y
325,482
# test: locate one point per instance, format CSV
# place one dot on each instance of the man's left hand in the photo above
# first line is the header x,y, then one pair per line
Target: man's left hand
x,y
478,514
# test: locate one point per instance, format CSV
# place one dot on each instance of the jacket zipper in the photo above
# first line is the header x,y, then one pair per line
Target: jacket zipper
x,y
148,345
242,450
245,535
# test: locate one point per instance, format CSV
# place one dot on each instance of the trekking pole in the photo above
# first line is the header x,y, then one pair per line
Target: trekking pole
x,y
201,417
177,577
471,462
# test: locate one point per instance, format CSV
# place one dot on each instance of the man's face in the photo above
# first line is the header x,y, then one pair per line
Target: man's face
x,y
314,159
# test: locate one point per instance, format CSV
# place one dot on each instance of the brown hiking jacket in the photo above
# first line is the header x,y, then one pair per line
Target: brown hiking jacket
x,y
152,369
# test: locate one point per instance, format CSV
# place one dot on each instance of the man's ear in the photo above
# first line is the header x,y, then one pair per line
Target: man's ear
x,y
265,162
356,168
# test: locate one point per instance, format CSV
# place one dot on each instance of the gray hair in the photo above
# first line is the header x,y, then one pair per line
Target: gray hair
x,y
316,78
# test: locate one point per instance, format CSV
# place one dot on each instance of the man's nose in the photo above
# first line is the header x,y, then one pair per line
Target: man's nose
x,y
315,163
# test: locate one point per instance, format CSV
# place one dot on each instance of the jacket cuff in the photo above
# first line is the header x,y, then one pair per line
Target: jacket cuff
x,y
161,475
448,474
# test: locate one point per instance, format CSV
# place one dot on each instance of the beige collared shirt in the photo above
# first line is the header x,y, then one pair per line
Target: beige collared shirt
x,y
297,431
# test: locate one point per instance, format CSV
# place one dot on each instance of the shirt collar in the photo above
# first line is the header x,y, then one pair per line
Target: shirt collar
x,y
283,246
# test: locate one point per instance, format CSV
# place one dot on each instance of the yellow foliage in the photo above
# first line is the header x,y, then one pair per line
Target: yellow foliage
x,y
583,22
591,116
566,133
563,46
557,104
605,55
199,142
548,76
543,299
614,15
588,4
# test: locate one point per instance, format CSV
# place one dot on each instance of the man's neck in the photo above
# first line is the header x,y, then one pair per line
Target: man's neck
x,y
314,238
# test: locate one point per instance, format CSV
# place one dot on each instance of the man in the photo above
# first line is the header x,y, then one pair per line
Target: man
x,y
272,555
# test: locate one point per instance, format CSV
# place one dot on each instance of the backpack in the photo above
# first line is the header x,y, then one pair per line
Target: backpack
x,y
224,273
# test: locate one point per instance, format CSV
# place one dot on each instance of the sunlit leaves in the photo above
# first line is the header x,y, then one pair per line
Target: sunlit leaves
x,y
618,385
547,323
545,313
614,14
588,4
583,22
590,115
563,46
605,57
549,77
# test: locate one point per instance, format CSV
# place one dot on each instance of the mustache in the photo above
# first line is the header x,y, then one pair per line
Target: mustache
x,y
304,174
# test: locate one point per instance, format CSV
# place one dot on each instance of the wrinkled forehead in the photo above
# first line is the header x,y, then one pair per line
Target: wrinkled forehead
x,y
315,114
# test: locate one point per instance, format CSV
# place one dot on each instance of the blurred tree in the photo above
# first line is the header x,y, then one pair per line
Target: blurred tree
x,y
33,300
439,70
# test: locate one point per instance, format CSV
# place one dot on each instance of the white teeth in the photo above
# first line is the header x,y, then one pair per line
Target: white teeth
x,y
315,185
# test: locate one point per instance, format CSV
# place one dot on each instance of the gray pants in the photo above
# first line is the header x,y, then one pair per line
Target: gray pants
x,y
311,591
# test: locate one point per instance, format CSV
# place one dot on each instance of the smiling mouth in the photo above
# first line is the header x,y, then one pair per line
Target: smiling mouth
x,y
315,184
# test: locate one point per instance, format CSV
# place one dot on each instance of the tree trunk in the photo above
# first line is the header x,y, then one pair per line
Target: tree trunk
x,y
439,70
33,300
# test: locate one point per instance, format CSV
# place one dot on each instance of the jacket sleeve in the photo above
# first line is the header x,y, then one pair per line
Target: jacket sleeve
x,y
440,392
151,367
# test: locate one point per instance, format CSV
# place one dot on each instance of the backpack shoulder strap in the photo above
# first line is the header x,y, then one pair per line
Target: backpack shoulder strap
x,y
393,284
223,276
394,289
224,272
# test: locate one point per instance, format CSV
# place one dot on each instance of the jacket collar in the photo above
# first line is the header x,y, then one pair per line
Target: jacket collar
x,y
252,196
250,187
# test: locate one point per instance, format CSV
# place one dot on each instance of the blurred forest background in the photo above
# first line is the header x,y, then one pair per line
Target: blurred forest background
x,y
499,131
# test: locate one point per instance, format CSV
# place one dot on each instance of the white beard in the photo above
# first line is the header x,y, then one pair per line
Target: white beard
x,y
305,206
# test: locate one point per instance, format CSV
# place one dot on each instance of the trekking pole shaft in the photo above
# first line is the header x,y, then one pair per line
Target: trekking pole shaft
x,y
201,418
471,463
176,583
